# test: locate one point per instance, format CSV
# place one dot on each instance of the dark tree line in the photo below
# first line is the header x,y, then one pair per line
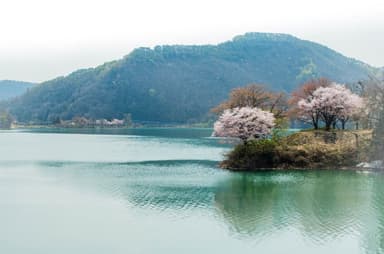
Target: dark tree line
x,y
182,83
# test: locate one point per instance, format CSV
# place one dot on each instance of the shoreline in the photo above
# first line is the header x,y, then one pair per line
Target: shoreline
x,y
18,127
304,150
351,169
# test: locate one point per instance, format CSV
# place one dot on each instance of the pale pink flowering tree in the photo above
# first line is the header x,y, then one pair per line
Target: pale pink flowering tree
x,y
331,104
353,108
244,123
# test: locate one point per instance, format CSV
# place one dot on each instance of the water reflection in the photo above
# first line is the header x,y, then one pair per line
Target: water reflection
x,y
160,185
249,205
373,229
322,207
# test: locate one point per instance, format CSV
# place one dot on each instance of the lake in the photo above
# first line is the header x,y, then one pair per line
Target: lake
x,y
160,191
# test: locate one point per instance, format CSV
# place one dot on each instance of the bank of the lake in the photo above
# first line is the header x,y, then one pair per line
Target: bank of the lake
x,y
307,149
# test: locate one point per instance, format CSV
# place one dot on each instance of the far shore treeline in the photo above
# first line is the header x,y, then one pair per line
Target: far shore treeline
x,y
180,84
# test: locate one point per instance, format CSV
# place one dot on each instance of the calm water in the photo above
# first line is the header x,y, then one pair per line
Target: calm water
x,y
160,191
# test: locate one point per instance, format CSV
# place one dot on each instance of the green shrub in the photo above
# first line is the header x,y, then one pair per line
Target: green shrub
x,y
300,150
253,154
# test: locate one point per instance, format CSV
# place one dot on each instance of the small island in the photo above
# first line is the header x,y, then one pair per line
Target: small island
x,y
312,149
342,127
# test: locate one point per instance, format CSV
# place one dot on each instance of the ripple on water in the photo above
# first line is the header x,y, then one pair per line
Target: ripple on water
x,y
157,185
315,208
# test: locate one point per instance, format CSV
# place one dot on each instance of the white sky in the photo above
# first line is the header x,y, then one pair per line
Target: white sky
x,y
43,39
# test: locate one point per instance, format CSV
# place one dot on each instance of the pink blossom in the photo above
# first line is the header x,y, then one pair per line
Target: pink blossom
x,y
244,123
331,104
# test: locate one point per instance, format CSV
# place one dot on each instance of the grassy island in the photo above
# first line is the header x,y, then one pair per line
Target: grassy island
x,y
347,127
309,149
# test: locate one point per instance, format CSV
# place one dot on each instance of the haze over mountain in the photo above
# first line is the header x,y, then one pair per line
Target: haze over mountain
x,y
10,88
181,83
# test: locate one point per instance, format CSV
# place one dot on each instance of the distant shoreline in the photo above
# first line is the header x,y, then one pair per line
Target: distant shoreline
x,y
107,127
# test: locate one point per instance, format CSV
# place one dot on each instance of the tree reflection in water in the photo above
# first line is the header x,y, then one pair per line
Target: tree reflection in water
x,y
321,206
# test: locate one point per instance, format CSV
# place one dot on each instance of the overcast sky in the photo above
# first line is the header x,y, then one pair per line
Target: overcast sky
x,y
43,39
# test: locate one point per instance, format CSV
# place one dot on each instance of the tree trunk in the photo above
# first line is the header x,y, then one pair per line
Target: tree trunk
x,y
315,123
328,124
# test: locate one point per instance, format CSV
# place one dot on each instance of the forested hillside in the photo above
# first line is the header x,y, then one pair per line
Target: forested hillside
x,y
181,83
11,88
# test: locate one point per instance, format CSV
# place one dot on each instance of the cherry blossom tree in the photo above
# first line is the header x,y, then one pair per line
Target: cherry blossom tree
x,y
353,106
256,95
332,104
244,123
305,91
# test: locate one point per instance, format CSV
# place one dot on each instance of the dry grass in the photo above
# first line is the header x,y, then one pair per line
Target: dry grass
x,y
305,149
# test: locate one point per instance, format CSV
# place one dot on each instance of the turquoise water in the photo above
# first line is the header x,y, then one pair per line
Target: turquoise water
x,y
160,191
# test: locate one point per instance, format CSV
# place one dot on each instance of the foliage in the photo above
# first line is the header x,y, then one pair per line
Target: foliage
x,y
128,120
181,83
5,120
255,95
374,91
309,149
307,71
244,123
305,92
251,155
11,89
330,104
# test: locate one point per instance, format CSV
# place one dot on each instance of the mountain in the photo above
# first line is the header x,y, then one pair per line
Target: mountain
x,y
181,83
10,88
